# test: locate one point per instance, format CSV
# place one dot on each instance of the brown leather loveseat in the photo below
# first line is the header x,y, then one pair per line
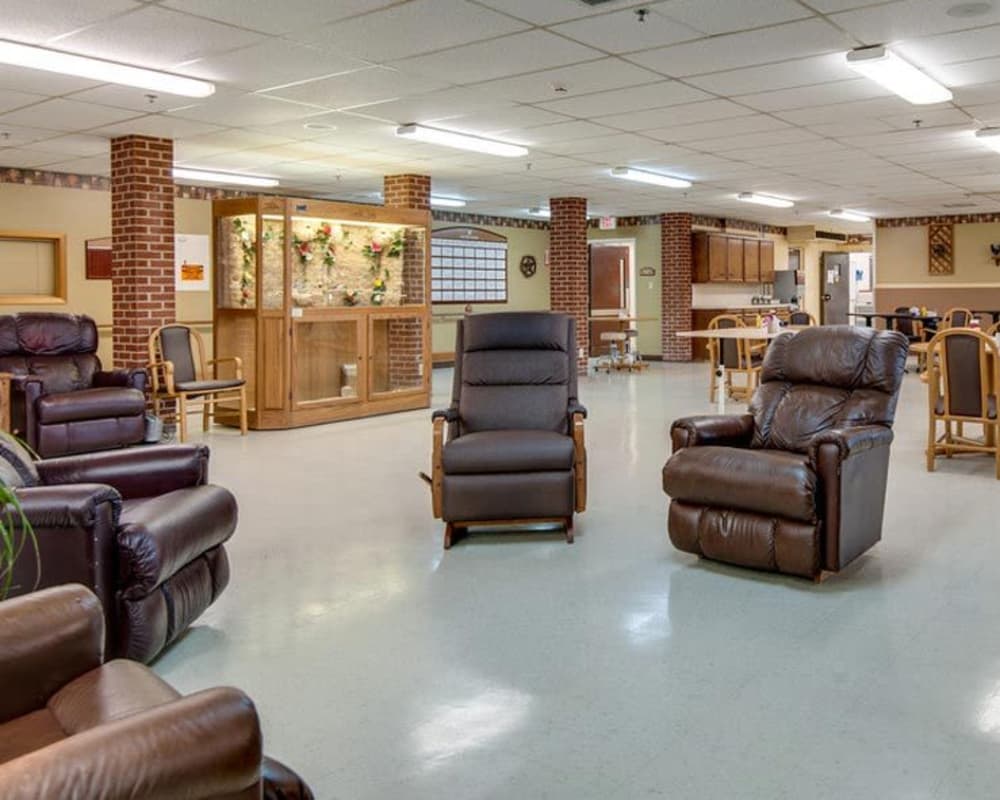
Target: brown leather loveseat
x,y
74,727
142,528
798,484
61,400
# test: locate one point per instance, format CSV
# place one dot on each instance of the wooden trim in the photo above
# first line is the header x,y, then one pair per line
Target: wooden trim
x,y
946,284
579,462
437,468
58,241
5,401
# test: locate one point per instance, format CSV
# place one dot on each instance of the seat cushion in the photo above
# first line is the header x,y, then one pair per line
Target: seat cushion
x,y
208,386
17,467
28,733
991,407
508,451
764,481
90,404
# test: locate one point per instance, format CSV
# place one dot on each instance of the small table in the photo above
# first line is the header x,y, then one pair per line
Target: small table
x,y
631,363
891,315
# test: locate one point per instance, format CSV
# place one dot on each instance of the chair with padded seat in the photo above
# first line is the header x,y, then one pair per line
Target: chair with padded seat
x,y
73,725
956,318
180,373
515,450
797,485
739,356
801,318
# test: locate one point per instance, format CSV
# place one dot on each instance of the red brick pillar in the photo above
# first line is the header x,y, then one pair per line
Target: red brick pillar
x,y
142,250
675,291
406,343
568,282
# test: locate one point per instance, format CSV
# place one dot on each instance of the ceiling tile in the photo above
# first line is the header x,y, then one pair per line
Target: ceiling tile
x,y
441,105
39,22
754,125
24,158
620,32
129,97
675,115
276,18
162,125
142,38
806,96
95,165
65,115
363,88
986,70
498,58
725,16
419,26
979,42
770,77
39,82
578,79
906,19
563,132
77,144
778,43
622,101
9,100
500,119
547,12
246,110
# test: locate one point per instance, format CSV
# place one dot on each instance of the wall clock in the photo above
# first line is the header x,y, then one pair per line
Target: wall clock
x,y
528,266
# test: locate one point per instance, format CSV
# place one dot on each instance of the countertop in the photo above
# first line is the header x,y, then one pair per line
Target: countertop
x,y
759,307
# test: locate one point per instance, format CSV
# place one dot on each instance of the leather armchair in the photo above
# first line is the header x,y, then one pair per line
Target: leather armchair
x,y
62,402
797,485
142,528
73,726
515,441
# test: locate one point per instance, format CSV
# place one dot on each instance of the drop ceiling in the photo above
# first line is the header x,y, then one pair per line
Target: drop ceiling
x,y
735,95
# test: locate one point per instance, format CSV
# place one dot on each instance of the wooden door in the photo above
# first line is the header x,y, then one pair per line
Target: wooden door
x,y
717,257
609,291
734,260
766,261
751,261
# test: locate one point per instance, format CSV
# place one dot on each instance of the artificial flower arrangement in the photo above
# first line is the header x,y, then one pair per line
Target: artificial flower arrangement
x,y
248,252
379,288
385,243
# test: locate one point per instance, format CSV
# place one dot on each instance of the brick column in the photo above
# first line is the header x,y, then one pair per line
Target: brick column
x,y
568,281
675,291
142,251
406,339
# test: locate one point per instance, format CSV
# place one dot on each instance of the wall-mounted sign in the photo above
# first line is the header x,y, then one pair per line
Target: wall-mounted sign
x,y
647,272
191,259
607,223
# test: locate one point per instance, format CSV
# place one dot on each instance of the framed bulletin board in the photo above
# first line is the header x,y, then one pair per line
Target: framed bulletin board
x,y
32,268
98,254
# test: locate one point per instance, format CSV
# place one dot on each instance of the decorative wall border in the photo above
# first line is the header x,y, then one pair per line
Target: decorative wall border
x,y
488,219
859,238
944,219
734,224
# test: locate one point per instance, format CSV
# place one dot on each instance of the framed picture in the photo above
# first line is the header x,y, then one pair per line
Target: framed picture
x,y
98,259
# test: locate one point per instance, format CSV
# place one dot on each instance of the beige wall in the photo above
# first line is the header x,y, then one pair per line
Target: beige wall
x,y
523,294
901,255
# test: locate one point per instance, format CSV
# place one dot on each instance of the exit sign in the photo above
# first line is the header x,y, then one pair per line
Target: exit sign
x,y
607,223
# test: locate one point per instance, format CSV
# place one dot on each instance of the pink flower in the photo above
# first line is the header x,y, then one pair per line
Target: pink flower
x,y
376,247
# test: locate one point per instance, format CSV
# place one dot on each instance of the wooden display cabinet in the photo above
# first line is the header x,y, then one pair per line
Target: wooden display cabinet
x,y
328,306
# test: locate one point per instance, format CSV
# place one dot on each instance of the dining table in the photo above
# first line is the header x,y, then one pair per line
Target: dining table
x,y
888,316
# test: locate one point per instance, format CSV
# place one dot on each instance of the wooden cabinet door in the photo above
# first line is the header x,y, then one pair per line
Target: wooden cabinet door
x,y
699,258
767,261
751,261
717,258
734,262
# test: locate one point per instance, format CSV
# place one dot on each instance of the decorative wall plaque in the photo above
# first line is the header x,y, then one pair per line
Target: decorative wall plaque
x,y
940,238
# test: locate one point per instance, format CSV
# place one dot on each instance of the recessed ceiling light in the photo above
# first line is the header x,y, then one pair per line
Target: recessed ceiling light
x,y
537,211
23,55
850,216
319,126
969,10
898,76
207,176
764,200
655,178
462,141
447,202
990,137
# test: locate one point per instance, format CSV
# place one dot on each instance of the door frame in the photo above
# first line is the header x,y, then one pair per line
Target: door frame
x,y
630,244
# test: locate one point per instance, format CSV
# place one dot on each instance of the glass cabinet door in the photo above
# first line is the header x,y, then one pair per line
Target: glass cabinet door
x,y
396,354
236,261
326,360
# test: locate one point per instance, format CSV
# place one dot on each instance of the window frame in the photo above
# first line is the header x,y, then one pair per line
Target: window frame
x,y
468,238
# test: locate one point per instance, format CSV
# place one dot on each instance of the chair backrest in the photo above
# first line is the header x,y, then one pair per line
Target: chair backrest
x,y
61,349
726,352
801,318
964,368
515,370
829,376
956,318
176,344
907,325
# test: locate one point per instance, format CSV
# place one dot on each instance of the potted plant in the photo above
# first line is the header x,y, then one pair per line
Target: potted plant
x,y
16,534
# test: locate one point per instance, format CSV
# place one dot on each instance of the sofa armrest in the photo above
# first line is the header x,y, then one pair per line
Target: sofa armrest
x,y
205,745
47,639
134,472
575,407
75,506
728,430
24,393
849,441
125,378
449,414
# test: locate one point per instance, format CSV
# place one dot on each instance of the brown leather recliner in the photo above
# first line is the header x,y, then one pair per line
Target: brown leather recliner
x,y
141,527
73,726
798,484
515,451
62,402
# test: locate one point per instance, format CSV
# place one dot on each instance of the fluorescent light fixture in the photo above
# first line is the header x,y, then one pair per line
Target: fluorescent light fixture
x,y
850,216
447,202
898,76
224,177
990,137
24,55
764,200
462,141
655,178
537,211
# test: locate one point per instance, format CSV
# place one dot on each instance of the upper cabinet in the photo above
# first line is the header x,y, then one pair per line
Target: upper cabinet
x,y
719,258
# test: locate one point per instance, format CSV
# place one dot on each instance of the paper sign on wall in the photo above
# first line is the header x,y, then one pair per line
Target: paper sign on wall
x,y
191,259
608,223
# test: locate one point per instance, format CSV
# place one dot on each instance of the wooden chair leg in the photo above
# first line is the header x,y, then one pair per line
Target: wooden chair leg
x,y
449,531
931,444
711,383
243,411
569,530
182,418
207,412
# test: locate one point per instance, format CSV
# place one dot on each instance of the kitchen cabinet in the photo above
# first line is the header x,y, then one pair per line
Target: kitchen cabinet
x,y
721,258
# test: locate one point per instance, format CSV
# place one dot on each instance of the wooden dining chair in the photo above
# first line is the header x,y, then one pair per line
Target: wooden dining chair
x,y
994,329
179,372
956,318
801,318
963,374
736,355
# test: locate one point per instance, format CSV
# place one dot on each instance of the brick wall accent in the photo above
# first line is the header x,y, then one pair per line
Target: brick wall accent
x,y
142,250
568,266
406,336
675,292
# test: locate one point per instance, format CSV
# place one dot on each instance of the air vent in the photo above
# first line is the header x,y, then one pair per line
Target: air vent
x,y
596,2
959,205
830,236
